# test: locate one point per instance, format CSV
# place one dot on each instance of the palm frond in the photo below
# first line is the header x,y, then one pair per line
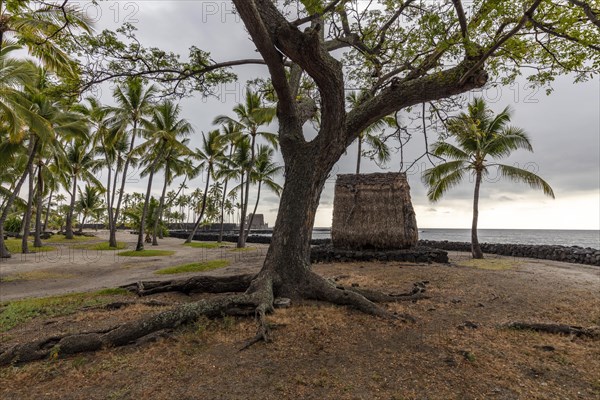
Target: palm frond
x,y
520,175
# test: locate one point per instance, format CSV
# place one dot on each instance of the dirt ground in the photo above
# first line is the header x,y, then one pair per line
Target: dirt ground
x,y
71,269
458,347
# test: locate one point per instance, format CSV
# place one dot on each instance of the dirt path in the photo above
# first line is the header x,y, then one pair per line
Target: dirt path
x,y
69,269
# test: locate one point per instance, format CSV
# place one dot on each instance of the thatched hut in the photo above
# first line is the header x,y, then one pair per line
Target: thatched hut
x,y
373,211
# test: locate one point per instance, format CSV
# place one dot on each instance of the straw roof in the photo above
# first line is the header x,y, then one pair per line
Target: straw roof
x,y
373,211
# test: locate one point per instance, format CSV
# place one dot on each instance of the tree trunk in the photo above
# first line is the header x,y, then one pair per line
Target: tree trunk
x,y
475,248
27,216
69,226
359,155
245,199
111,222
223,210
37,241
197,224
140,242
254,211
159,211
4,253
241,242
80,230
46,217
112,236
113,232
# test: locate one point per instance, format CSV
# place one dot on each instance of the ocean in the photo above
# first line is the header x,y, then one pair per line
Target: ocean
x,y
582,238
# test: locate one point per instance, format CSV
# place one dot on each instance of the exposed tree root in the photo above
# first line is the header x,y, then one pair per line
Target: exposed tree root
x,y
591,332
196,284
258,299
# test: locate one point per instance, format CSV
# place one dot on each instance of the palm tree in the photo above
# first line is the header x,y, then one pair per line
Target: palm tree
x,y
41,29
371,136
480,135
134,102
81,166
231,133
89,203
163,133
263,172
251,116
210,154
176,163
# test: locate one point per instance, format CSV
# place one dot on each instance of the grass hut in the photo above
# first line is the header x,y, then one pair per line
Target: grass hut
x,y
373,211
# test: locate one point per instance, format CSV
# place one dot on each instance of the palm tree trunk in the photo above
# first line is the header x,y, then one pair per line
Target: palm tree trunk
x,y
37,241
4,253
48,210
69,226
359,155
475,248
113,231
243,203
223,210
197,224
159,211
111,222
254,211
27,216
140,242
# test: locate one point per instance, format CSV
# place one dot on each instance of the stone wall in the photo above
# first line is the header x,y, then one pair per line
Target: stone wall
x,y
573,254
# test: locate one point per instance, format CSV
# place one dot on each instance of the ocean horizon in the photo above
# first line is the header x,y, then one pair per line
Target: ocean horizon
x,y
562,237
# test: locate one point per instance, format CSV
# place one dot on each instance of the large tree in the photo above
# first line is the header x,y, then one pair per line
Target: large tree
x,y
405,53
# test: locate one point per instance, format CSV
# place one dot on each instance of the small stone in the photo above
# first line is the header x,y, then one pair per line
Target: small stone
x,y
355,285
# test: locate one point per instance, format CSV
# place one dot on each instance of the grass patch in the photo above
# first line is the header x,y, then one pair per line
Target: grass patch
x,y
63,239
491,264
14,246
100,246
206,245
20,311
36,275
146,253
194,267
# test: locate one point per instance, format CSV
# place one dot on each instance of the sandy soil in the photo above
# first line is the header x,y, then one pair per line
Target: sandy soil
x,y
68,269
458,348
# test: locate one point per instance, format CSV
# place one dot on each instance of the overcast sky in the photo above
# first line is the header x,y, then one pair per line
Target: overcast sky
x,y
564,127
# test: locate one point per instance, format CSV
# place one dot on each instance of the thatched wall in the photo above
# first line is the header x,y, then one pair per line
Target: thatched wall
x,y
373,211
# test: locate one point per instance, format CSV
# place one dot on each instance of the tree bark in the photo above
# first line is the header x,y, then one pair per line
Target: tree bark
x,y
205,195
159,211
359,155
475,248
113,232
27,216
254,211
246,198
223,209
33,145
140,242
37,241
47,216
69,225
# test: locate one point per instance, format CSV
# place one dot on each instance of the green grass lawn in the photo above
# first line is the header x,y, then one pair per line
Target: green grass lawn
x,y
14,246
146,253
206,245
17,312
62,239
101,246
193,267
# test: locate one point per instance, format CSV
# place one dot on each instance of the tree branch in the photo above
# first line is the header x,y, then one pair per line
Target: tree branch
x,y
526,17
587,9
